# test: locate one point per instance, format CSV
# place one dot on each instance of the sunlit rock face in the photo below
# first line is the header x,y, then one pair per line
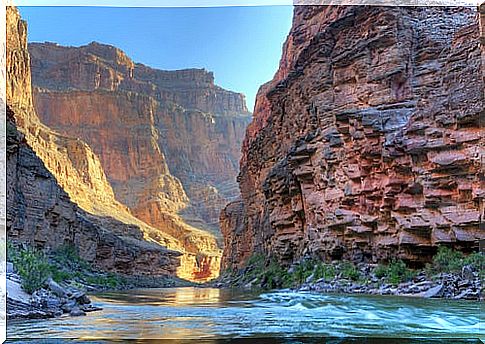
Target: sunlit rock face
x,y
59,194
366,144
168,141
42,164
41,214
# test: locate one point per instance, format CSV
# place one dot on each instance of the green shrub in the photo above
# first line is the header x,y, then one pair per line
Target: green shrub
x,y
33,267
349,270
477,260
447,260
325,271
255,265
256,259
67,256
59,275
381,271
303,270
109,280
451,261
12,252
276,276
396,272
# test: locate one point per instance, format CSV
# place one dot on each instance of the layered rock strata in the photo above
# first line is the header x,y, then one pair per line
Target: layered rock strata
x,y
366,145
46,171
168,141
41,214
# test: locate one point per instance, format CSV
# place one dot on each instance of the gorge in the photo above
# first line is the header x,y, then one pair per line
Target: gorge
x,y
364,147
150,155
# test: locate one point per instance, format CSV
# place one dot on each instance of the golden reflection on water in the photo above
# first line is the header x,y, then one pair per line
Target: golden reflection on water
x,y
188,296
118,322
209,297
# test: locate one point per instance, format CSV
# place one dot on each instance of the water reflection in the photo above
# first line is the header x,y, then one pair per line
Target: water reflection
x,y
182,313
175,297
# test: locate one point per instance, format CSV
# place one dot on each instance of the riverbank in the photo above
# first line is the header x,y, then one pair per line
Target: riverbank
x,y
69,297
448,286
450,275
41,285
59,285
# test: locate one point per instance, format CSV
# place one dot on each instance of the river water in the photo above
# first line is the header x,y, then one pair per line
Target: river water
x,y
217,313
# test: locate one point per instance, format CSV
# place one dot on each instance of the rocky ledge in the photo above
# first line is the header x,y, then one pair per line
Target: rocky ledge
x,y
48,302
466,286
462,286
70,297
451,275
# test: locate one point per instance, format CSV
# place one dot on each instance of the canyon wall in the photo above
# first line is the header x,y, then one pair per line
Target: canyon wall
x,y
366,145
168,141
39,212
59,193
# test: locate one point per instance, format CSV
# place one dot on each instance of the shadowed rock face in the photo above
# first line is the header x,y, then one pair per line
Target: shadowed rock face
x,y
41,214
168,141
42,165
365,145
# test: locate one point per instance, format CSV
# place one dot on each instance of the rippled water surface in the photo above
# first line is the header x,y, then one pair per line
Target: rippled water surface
x,y
215,313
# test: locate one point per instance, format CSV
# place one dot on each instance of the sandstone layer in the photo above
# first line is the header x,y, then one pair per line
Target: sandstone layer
x,y
41,214
50,175
366,145
168,141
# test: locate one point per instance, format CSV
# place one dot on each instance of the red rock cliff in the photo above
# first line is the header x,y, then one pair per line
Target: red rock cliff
x,y
168,141
39,211
366,144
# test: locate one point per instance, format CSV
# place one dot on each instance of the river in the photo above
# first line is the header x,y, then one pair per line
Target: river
x,y
211,313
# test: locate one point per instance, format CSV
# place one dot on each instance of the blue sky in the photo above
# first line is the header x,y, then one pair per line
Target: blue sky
x,y
241,45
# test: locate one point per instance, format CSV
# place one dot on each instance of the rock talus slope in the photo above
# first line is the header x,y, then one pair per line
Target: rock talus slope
x,y
366,145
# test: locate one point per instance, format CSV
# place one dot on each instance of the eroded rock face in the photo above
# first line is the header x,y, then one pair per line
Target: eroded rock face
x,y
46,171
366,144
68,158
168,141
41,214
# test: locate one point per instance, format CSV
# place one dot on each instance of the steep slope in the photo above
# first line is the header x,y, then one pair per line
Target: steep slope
x,y
41,214
366,144
72,164
168,141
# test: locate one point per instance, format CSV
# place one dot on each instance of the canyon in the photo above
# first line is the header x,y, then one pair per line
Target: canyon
x,y
167,140
39,211
366,144
134,153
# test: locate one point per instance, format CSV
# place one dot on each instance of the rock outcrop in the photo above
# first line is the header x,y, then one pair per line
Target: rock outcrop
x,y
43,164
366,145
168,141
41,214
